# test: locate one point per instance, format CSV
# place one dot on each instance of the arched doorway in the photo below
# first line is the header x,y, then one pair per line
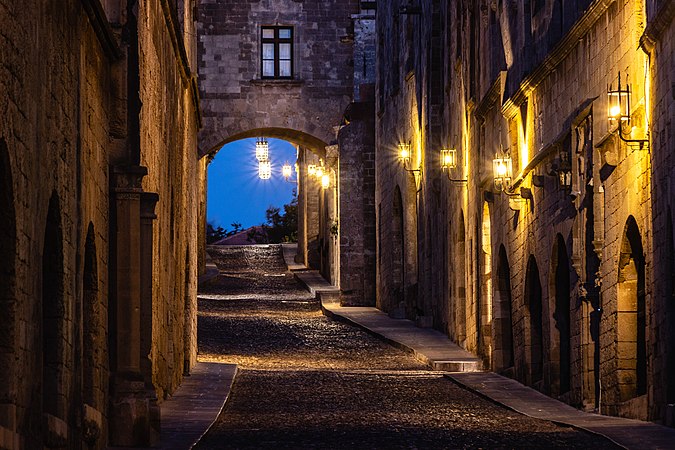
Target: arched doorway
x,y
460,284
631,315
503,324
398,252
670,311
485,321
561,350
7,281
533,304
53,314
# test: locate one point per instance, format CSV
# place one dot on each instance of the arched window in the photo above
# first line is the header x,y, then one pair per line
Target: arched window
x,y
53,313
7,279
533,294
561,315
631,315
503,345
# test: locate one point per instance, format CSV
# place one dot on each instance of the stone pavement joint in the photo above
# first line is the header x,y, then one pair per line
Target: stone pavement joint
x,y
440,353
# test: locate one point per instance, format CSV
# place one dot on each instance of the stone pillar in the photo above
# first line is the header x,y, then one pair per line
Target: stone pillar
x,y
308,211
357,206
133,412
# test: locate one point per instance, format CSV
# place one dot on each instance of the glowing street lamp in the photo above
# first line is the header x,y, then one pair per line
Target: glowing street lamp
x,y
311,170
325,181
287,171
319,171
503,171
265,170
404,152
262,150
618,111
448,159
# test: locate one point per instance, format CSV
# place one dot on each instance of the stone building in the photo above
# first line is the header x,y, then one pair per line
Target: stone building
x,y
99,168
303,72
558,271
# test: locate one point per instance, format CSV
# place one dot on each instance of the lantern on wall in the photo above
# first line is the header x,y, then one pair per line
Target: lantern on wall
x,y
502,170
311,170
325,181
618,104
404,152
287,171
448,159
564,171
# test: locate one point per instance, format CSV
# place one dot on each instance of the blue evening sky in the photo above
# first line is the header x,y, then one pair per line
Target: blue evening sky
x,y
236,194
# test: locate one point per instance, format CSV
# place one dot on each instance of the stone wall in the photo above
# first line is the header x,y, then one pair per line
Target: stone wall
x,y
66,128
555,286
237,102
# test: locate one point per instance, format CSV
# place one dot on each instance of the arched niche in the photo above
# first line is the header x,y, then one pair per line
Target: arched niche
x,y
535,332
561,348
502,354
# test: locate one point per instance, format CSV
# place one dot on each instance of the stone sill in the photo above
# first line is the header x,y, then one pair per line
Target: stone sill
x,y
277,83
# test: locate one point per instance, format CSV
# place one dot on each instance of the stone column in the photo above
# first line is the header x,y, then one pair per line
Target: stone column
x,y
133,412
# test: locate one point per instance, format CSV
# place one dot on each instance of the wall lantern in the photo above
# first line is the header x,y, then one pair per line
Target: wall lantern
x,y
564,172
265,170
404,152
618,111
262,150
449,162
503,171
311,170
319,171
325,181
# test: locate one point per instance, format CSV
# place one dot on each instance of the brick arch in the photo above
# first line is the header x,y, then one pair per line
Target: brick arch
x,y
631,315
7,280
561,340
211,144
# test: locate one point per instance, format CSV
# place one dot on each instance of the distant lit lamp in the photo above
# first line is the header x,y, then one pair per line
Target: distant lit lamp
x,y
449,162
618,111
265,170
262,150
311,170
325,181
287,171
404,156
319,172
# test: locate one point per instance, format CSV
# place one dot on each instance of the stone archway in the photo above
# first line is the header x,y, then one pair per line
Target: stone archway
x,y
561,348
503,355
54,315
535,331
631,315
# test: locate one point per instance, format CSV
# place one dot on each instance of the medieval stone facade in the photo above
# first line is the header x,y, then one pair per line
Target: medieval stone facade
x,y
98,159
560,276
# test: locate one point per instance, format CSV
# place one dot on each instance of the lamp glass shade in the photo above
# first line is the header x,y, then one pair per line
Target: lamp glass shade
x,y
325,181
311,169
265,170
448,158
503,172
262,150
286,170
404,151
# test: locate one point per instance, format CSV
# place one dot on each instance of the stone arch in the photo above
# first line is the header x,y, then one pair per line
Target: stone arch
x,y
398,250
54,339
631,315
486,282
670,310
309,141
460,284
535,332
92,323
561,342
503,355
8,301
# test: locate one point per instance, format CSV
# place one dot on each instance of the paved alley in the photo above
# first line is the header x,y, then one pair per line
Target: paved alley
x,y
305,381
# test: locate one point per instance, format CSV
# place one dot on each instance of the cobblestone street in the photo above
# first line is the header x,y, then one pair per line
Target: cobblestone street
x,y
306,381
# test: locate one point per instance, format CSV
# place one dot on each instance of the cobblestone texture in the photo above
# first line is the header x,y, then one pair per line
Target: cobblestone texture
x,y
308,382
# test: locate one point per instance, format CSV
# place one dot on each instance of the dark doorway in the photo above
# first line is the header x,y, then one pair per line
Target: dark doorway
x,y
533,293
561,316
53,313
502,319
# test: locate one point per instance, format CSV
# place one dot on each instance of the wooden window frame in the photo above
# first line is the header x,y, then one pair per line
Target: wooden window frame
x,y
276,40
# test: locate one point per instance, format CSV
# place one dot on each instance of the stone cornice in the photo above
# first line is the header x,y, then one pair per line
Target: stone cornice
x,y
555,57
173,27
655,28
104,33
